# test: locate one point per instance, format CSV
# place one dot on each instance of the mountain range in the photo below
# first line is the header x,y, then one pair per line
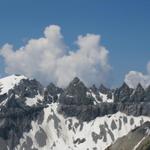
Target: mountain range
x,y
34,117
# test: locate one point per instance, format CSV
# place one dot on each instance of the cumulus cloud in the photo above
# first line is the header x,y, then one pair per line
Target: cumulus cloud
x,y
133,78
48,59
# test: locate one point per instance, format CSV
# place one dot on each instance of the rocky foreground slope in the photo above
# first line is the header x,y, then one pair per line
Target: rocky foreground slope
x,y
75,118
137,139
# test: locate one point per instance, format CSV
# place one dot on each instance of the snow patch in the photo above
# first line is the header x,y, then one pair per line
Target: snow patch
x,y
34,101
105,98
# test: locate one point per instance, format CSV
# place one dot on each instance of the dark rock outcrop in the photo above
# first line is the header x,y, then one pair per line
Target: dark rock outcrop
x,y
87,112
147,94
28,88
76,94
138,94
123,93
52,92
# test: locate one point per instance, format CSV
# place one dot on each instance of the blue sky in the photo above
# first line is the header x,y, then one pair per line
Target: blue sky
x,y
124,26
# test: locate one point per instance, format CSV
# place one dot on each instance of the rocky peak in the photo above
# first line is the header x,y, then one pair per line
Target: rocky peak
x,y
23,95
75,81
54,90
139,88
28,88
9,82
52,93
76,87
75,94
147,94
94,88
138,94
123,93
148,89
104,89
124,87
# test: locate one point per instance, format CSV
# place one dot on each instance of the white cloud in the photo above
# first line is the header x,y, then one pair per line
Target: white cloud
x,y
133,78
148,68
48,60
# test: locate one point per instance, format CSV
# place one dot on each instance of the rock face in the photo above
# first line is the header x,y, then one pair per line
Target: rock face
x,y
15,114
123,93
76,94
138,95
52,93
87,104
106,91
137,139
36,118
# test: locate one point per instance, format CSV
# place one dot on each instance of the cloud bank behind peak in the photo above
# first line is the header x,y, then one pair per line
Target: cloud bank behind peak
x,y
48,59
133,78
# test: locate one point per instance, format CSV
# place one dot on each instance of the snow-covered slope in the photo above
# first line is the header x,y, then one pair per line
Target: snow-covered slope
x,y
104,97
55,132
21,89
9,82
